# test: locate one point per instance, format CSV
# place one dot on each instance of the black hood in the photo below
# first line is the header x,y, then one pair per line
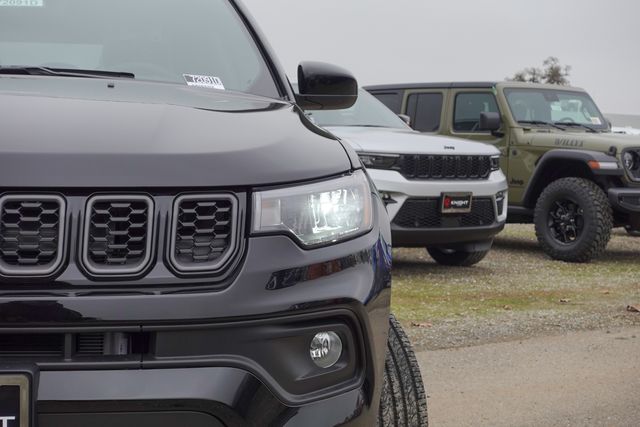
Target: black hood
x,y
68,132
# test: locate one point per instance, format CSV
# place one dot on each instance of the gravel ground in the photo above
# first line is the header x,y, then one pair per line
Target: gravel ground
x,y
515,292
573,379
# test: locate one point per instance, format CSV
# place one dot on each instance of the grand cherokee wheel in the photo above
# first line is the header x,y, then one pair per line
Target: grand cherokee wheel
x,y
573,220
404,401
456,258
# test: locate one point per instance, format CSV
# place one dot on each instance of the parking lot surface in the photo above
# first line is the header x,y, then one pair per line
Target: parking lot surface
x,y
517,292
573,379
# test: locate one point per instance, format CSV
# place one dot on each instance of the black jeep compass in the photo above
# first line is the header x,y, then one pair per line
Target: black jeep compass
x,y
179,245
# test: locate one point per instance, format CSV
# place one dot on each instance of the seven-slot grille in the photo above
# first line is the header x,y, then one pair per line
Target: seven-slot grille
x,y
31,234
444,167
118,234
203,232
425,213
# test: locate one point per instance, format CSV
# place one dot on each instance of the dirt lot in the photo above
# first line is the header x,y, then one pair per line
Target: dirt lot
x,y
524,340
574,379
516,292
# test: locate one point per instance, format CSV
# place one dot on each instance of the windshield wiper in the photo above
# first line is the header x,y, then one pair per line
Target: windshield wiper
x,y
63,72
588,128
541,122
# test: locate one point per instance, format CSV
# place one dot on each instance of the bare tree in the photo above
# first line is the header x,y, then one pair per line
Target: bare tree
x,y
555,73
552,72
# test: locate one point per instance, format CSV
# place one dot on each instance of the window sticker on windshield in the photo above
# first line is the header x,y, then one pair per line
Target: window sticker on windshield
x,y
204,81
596,121
21,3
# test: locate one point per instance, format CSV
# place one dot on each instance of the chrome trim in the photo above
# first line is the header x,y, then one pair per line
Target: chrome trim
x,y
29,271
209,267
101,270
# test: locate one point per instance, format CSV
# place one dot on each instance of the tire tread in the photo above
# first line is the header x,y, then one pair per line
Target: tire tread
x,y
600,233
404,400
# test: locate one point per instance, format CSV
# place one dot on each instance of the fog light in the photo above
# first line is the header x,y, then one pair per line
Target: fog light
x,y
325,349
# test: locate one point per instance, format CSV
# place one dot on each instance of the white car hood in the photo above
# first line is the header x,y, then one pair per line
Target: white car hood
x,y
406,141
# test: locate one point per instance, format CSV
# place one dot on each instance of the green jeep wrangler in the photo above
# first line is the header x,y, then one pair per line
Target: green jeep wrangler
x,y
568,174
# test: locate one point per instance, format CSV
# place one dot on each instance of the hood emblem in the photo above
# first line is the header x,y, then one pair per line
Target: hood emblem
x,y
449,147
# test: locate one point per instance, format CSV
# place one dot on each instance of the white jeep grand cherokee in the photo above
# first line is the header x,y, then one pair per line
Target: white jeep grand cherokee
x,y
448,195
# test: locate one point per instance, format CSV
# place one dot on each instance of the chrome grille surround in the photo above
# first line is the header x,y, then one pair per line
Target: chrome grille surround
x,y
15,238
110,268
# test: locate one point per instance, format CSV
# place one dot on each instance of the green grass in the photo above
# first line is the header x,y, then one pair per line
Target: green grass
x,y
516,276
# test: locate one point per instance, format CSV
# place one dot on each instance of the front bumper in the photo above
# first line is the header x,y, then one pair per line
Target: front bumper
x,y
625,200
182,397
206,396
470,238
232,356
401,189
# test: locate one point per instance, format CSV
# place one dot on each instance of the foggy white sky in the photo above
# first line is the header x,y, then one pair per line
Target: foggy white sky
x,y
393,41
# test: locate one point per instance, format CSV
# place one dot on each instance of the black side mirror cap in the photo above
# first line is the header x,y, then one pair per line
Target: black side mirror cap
x,y
325,87
490,121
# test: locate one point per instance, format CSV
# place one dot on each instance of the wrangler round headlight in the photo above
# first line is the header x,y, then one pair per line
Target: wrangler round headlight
x,y
316,214
631,160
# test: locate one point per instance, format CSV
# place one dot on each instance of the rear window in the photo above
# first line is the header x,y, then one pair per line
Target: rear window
x,y
425,110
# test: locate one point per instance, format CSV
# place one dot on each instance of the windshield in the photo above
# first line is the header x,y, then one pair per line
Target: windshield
x,y
367,111
197,42
554,106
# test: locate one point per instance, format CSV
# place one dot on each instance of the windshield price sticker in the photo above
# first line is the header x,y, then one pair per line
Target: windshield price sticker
x,y
21,3
209,82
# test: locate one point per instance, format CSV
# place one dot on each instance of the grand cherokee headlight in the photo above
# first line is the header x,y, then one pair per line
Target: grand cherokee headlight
x,y
495,163
378,161
316,214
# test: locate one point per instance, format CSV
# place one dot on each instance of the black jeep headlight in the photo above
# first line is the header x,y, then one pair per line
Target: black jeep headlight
x,y
495,163
378,161
316,214
631,160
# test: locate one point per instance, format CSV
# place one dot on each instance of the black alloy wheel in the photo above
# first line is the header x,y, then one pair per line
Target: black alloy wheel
x,y
573,220
566,221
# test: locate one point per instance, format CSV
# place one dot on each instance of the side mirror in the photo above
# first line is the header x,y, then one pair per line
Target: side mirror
x,y
325,87
405,118
490,121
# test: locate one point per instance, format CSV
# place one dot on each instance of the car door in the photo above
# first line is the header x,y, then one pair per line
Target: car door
x,y
425,108
466,105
